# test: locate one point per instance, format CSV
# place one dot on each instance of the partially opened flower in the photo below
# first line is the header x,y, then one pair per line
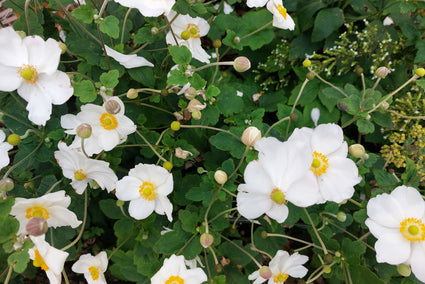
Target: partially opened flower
x,y
93,267
281,19
48,259
188,32
336,175
146,187
108,129
53,207
279,175
82,170
174,271
282,266
30,66
397,220
149,8
128,61
4,148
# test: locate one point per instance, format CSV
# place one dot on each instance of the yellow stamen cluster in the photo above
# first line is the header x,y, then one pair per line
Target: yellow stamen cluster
x,y
28,73
94,272
108,121
412,229
39,261
79,175
282,11
278,196
193,30
320,164
37,211
280,278
147,191
174,280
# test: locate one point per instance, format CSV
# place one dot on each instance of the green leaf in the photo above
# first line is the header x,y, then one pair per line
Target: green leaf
x,y
229,102
177,78
57,134
9,227
45,184
226,142
365,126
180,54
352,250
122,228
84,13
410,177
212,91
362,275
20,260
196,81
110,79
144,35
111,26
327,21
110,209
173,241
220,279
384,178
85,91
383,119
189,220
329,97
143,75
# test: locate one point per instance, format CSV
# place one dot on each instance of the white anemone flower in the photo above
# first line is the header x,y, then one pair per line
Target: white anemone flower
x,y
30,66
93,267
336,175
146,187
279,175
188,32
282,266
53,207
48,259
108,130
281,19
83,171
174,271
4,148
149,8
128,61
397,220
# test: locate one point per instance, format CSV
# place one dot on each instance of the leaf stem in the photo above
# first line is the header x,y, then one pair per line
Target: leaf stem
x,y
82,225
325,251
150,146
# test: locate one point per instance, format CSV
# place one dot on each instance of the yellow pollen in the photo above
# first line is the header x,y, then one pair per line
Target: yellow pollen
x,y
193,30
94,272
147,191
37,211
28,73
79,175
412,229
174,280
108,121
39,261
278,196
282,11
320,164
280,278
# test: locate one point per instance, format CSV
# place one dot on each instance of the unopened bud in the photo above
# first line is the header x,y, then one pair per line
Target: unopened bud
x,y
206,240
404,270
132,93
306,63
14,139
382,72
358,70
264,234
293,116
29,185
250,136
154,30
327,269
310,75
420,72
164,92
217,43
195,105
256,97
356,150
341,216
84,130
220,177
328,258
120,203
175,125
167,165
241,64
190,93
62,46
182,154
236,39
36,226
315,115
384,105
112,106
6,184
368,117
218,268
196,115
265,272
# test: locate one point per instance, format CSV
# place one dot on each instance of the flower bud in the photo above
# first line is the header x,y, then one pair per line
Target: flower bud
x,y
265,272
236,39
306,63
178,115
241,64
120,203
167,165
175,125
359,70
293,116
404,270
206,240
328,258
112,106
310,75
62,46
195,105
256,97
250,136
384,105
218,268
327,269
220,177
356,150
29,185
315,115
132,93
6,184
382,72
200,170
84,130
341,216
36,226
420,72
182,154
264,234
190,93
154,30
14,139
164,92
196,115
224,261
217,43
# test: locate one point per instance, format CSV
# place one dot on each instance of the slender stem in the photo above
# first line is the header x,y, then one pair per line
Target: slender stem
x,y
217,58
23,160
54,185
162,135
240,162
228,192
322,270
171,29
325,251
65,277
18,120
276,123
363,85
124,23
208,211
207,265
212,128
27,2
9,273
4,272
17,100
406,116
140,48
295,104
157,108
82,226
222,213
150,146
120,245
257,30
350,234
330,84
253,244
212,64
370,92
102,9
294,239
102,43
214,256
355,202
186,244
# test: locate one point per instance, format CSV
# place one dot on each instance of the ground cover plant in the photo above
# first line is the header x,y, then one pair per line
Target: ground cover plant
x,y
164,141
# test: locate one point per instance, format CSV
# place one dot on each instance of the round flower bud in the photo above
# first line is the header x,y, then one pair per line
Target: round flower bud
x,y
241,64
220,177
218,268
236,39
306,63
62,46
29,185
120,203
196,115
293,116
310,75
420,72
217,43
14,139
112,106
175,125
384,105
382,72
154,30
368,117
328,258
36,226
167,165
206,240
250,136
404,270
265,272
341,216
356,150
84,130
327,269
6,184
132,93
264,234
190,93
358,70
185,35
164,92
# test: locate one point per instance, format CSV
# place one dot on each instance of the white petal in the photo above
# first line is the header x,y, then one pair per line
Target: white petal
x,y
417,261
304,192
278,212
10,79
44,55
128,61
128,188
385,210
141,208
392,248
39,106
256,3
251,205
163,206
410,201
327,138
256,179
149,8
56,86
13,52
62,217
